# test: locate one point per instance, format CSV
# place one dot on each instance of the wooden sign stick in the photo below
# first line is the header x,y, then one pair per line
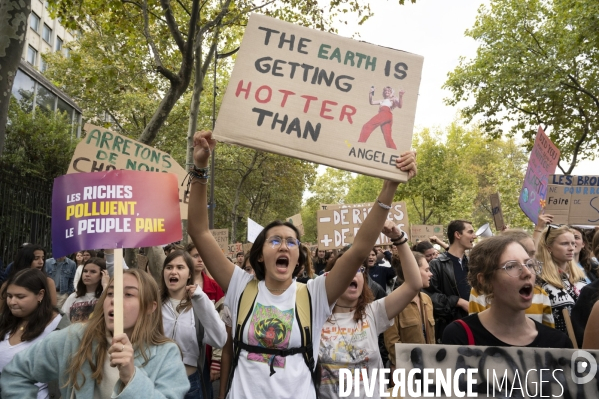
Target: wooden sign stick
x,y
118,291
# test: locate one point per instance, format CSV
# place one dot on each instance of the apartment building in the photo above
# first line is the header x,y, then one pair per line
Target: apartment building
x,y
30,87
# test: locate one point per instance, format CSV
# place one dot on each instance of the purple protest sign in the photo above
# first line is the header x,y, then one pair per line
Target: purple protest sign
x,y
541,164
114,209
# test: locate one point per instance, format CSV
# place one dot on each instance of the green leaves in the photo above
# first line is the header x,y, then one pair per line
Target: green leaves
x,y
537,64
43,144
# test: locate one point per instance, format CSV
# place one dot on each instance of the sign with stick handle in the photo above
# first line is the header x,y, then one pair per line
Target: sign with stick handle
x,y
115,209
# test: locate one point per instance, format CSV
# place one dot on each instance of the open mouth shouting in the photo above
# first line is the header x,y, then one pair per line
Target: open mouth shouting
x,y
526,292
282,264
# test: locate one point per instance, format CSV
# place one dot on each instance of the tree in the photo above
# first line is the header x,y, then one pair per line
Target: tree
x,y
42,144
458,169
13,20
537,64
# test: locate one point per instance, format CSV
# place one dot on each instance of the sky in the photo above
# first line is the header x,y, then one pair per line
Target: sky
x,y
435,30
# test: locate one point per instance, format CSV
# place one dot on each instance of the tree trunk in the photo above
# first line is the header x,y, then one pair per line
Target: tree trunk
x,y
130,256
237,194
13,20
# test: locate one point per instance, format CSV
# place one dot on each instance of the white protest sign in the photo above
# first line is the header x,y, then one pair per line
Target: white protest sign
x,y
253,230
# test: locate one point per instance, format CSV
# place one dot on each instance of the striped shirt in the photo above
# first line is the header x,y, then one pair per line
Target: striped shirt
x,y
539,310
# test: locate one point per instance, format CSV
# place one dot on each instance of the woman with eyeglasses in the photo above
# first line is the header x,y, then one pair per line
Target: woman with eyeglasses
x,y
502,270
540,308
561,277
272,349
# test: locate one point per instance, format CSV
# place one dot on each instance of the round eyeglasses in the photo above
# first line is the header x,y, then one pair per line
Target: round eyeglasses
x,y
276,242
514,268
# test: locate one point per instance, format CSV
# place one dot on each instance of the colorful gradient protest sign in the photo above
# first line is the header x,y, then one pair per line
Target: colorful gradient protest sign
x,y
114,209
541,164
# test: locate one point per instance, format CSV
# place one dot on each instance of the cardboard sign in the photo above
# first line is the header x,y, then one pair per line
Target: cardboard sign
x,y
421,232
114,209
324,98
296,220
497,212
541,164
103,150
573,200
495,372
222,238
234,248
338,227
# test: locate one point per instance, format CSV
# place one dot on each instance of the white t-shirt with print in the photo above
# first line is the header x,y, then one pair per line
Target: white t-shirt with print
x,y
348,344
78,309
273,324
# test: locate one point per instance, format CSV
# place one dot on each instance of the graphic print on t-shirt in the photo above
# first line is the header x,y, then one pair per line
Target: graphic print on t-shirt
x,y
343,347
80,311
270,327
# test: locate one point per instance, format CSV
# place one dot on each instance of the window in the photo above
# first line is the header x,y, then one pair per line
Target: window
x,y
65,108
58,43
47,34
67,52
31,55
43,65
22,89
34,22
45,99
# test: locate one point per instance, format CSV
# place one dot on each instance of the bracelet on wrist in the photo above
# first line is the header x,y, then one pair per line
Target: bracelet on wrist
x,y
384,206
538,231
402,239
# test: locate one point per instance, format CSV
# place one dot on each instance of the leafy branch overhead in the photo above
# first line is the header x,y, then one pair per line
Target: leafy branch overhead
x,y
537,64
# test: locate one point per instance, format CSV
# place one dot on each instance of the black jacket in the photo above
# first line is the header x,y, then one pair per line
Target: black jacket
x,y
444,293
582,309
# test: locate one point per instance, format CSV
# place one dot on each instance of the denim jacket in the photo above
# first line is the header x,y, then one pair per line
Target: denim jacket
x,y
67,274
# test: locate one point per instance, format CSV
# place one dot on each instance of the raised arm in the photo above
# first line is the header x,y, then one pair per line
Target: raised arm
x,y
542,221
399,99
197,220
370,95
346,267
396,301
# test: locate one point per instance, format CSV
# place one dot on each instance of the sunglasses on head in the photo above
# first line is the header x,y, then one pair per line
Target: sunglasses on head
x,y
552,226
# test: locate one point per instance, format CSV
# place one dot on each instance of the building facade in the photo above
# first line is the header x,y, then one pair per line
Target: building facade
x,y
32,90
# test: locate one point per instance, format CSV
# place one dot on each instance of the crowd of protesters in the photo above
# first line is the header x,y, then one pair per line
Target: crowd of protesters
x,y
280,321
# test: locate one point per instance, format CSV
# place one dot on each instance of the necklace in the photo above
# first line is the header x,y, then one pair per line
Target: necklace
x,y
346,307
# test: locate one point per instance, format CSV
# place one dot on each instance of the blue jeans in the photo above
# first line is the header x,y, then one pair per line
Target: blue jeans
x,y
195,389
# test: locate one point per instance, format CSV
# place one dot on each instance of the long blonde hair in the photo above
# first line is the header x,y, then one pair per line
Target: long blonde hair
x,y
550,271
148,331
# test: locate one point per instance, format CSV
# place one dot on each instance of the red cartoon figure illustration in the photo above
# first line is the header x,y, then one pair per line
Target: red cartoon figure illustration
x,y
384,118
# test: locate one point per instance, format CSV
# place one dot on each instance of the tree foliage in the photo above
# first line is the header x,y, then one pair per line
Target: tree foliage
x,y
537,64
42,144
458,169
